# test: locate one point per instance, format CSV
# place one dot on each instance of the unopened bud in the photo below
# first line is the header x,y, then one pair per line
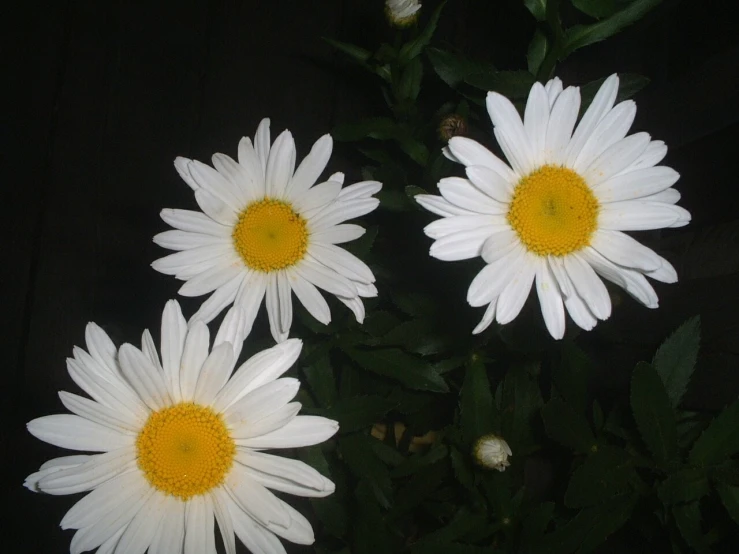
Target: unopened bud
x,y
492,452
453,125
402,13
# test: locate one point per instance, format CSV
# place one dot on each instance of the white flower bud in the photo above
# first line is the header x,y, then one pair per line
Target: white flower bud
x,y
492,452
402,13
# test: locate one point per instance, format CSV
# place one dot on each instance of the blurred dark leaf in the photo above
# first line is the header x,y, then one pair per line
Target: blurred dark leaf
x,y
538,48
453,68
599,8
571,374
675,359
379,322
420,460
415,304
462,470
414,47
686,485
461,523
534,526
421,336
356,450
359,412
423,483
720,440
356,53
583,35
512,84
567,427
478,414
730,499
410,81
363,244
538,8
603,475
320,377
688,520
520,404
653,414
710,252
371,534
402,367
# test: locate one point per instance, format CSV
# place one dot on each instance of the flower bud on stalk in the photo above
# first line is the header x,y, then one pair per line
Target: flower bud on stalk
x,y
491,452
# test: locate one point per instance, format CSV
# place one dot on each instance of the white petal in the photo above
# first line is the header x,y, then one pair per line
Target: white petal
x,y
223,297
199,526
311,167
487,318
514,295
299,531
461,245
194,355
362,189
470,152
210,280
99,413
536,118
285,475
233,331
579,312
255,500
181,165
103,500
599,107
623,250
150,350
636,184
517,146
325,278
96,471
241,181
269,423
356,306
669,196
194,222
260,403
52,466
175,263
174,331
286,304
223,518
342,262
273,308
301,431
654,153
491,183
340,211
636,215
615,158
254,536
317,197
498,244
214,373
666,273
553,89
310,297
611,129
216,184
440,206
550,300
249,160
141,531
262,145
561,122
588,286
249,297
101,348
463,193
454,224
77,433
170,537
261,368
280,165
338,234
146,380
215,208
491,280
633,282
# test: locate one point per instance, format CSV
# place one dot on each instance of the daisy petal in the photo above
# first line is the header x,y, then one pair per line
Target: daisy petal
x,y
599,107
262,146
145,379
441,206
463,193
273,308
654,153
77,433
101,348
514,295
214,373
470,152
325,278
260,403
579,312
536,118
561,122
215,208
461,245
611,129
636,184
588,286
140,532
487,318
317,197
665,273
498,244
181,165
210,280
98,413
460,223
517,146
194,222
362,189
241,180
310,298
174,331
623,250
175,263
221,298
285,475
299,531
254,536
631,281
355,305
96,471
669,196
550,300
249,297
255,500
216,184
301,431
199,522
275,420
491,183
493,278
636,215
311,167
615,158
170,537
280,165
223,518
232,331
338,234
194,354
342,262
249,160
103,499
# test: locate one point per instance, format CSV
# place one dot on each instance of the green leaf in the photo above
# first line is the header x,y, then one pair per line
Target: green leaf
x,y
675,359
420,336
567,427
329,510
538,8
417,461
356,450
320,378
361,246
688,520
414,47
371,534
359,412
599,8
534,525
410,81
478,415
394,201
603,475
461,523
571,375
720,440
462,470
512,84
357,53
379,322
590,527
686,485
538,48
402,367
584,35
415,304
653,414
726,473
730,499
453,68
423,483
412,190
381,128
520,404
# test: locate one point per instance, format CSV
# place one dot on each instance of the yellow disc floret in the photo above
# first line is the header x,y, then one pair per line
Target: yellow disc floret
x,y
270,235
185,450
553,211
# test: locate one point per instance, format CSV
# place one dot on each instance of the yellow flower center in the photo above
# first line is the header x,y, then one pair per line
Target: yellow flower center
x,y
270,235
185,450
553,211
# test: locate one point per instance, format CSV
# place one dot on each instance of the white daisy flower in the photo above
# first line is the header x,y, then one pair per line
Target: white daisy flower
x,y
182,443
402,13
555,216
265,229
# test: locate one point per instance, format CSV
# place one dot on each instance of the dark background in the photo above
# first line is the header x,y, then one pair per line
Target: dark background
x,y
106,94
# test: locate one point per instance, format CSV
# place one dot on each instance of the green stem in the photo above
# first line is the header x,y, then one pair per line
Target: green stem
x,y
546,70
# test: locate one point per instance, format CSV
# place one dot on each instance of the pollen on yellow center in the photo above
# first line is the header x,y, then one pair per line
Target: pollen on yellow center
x,y
270,235
185,450
553,211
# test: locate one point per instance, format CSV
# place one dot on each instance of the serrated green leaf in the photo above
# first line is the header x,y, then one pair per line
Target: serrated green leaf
x,y
388,454
453,68
603,475
653,414
462,470
538,48
730,499
423,483
599,8
584,35
410,81
571,375
402,367
413,48
675,359
520,404
320,377
538,8
371,534
720,439
356,450
566,427
688,520
359,412
420,460
415,304
420,336
686,485
379,322
512,84
478,415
